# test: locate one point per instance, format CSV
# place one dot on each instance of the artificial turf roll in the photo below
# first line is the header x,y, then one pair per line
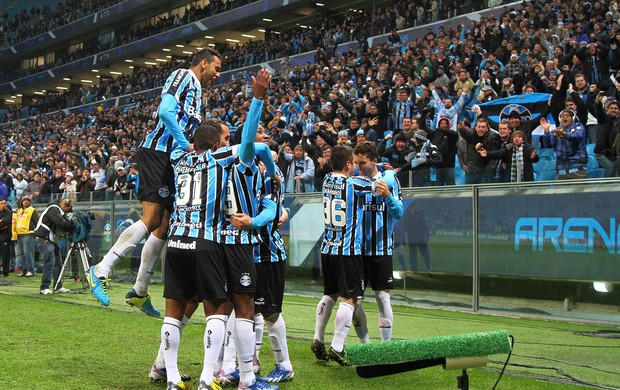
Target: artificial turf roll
x,y
454,346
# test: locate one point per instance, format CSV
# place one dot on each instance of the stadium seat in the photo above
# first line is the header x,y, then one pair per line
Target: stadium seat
x,y
590,149
546,176
550,166
459,178
592,163
596,173
548,152
541,165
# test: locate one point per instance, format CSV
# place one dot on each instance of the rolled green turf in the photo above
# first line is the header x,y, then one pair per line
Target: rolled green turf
x,y
454,346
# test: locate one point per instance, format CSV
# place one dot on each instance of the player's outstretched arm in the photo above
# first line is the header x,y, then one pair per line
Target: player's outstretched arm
x,y
260,84
267,213
168,114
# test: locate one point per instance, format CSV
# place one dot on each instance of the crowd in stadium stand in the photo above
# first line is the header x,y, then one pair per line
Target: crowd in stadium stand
x,y
326,32
567,49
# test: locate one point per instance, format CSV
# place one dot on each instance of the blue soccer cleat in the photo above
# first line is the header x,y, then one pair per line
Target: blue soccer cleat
x,y
279,374
99,287
228,380
143,303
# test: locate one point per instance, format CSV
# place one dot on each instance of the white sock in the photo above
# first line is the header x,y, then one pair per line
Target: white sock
x,y
151,253
218,366
214,335
159,360
126,242
323,312
276,332
342,324
229,359
170,338
360,322
386,315
245,339
259,322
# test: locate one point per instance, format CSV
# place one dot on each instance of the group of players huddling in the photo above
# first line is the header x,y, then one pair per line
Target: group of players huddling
x,y
217,209
210,205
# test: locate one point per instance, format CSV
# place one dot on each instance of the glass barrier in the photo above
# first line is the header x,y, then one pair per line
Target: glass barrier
x,y
548,250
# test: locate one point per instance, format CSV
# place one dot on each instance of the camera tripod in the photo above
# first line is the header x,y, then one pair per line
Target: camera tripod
x,y
77,249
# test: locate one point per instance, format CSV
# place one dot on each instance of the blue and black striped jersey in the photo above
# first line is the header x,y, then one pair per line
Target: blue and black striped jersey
x,y
379,214
272,247
243,191
200,182
343,221
185,87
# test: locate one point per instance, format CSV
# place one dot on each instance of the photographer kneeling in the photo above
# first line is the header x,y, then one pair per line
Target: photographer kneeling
x,y
52,223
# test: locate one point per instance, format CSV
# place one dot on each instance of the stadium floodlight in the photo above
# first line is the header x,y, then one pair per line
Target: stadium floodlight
x,y
267,20
261,30
86,81
19,95
603,287
150,63
96,70
187,52
181,46
9,101
319,4
161,59
66,78
116,73
232,40
39,93
208,37
62,88
165,49
248,36
128,60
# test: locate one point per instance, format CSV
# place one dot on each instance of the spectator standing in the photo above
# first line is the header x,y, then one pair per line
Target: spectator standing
x,y
479,169
300,176
569,142
98,175
52,223
396,155
27,217
20,185
445,139
4,191
69,187
607,149
403,108
423,155
33,189
85,186
517,158
6,220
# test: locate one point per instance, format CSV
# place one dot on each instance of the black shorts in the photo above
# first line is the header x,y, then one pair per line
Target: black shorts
x,y
343,275
240,272
156,177
269,287
378,272
194,269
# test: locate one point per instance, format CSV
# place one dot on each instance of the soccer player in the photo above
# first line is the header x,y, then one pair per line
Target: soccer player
x,y
378,215
178,117
341,250
198,263
269,258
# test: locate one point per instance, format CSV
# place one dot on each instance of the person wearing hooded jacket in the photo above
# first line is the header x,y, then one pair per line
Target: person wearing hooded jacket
x,y
51,224
445,139
423,155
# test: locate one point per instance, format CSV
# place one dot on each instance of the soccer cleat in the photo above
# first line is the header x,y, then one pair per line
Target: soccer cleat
x,y
179,386
213,386
338,357
29,274
99,287
279,374
231,379
143,303
319,349
46,291
256,366
258,385
61,290
159,374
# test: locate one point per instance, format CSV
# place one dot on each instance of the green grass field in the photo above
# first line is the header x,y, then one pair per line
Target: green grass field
x,y
70,342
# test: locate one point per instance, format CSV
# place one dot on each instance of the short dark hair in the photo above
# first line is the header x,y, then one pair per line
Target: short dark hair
x,y
340,155
205,54
368,149
207,134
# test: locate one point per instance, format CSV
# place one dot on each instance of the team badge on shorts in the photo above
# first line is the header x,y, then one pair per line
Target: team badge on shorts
x,y
245,280
164,192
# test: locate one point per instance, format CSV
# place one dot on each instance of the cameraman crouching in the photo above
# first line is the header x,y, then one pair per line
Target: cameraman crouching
x,y
47,234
